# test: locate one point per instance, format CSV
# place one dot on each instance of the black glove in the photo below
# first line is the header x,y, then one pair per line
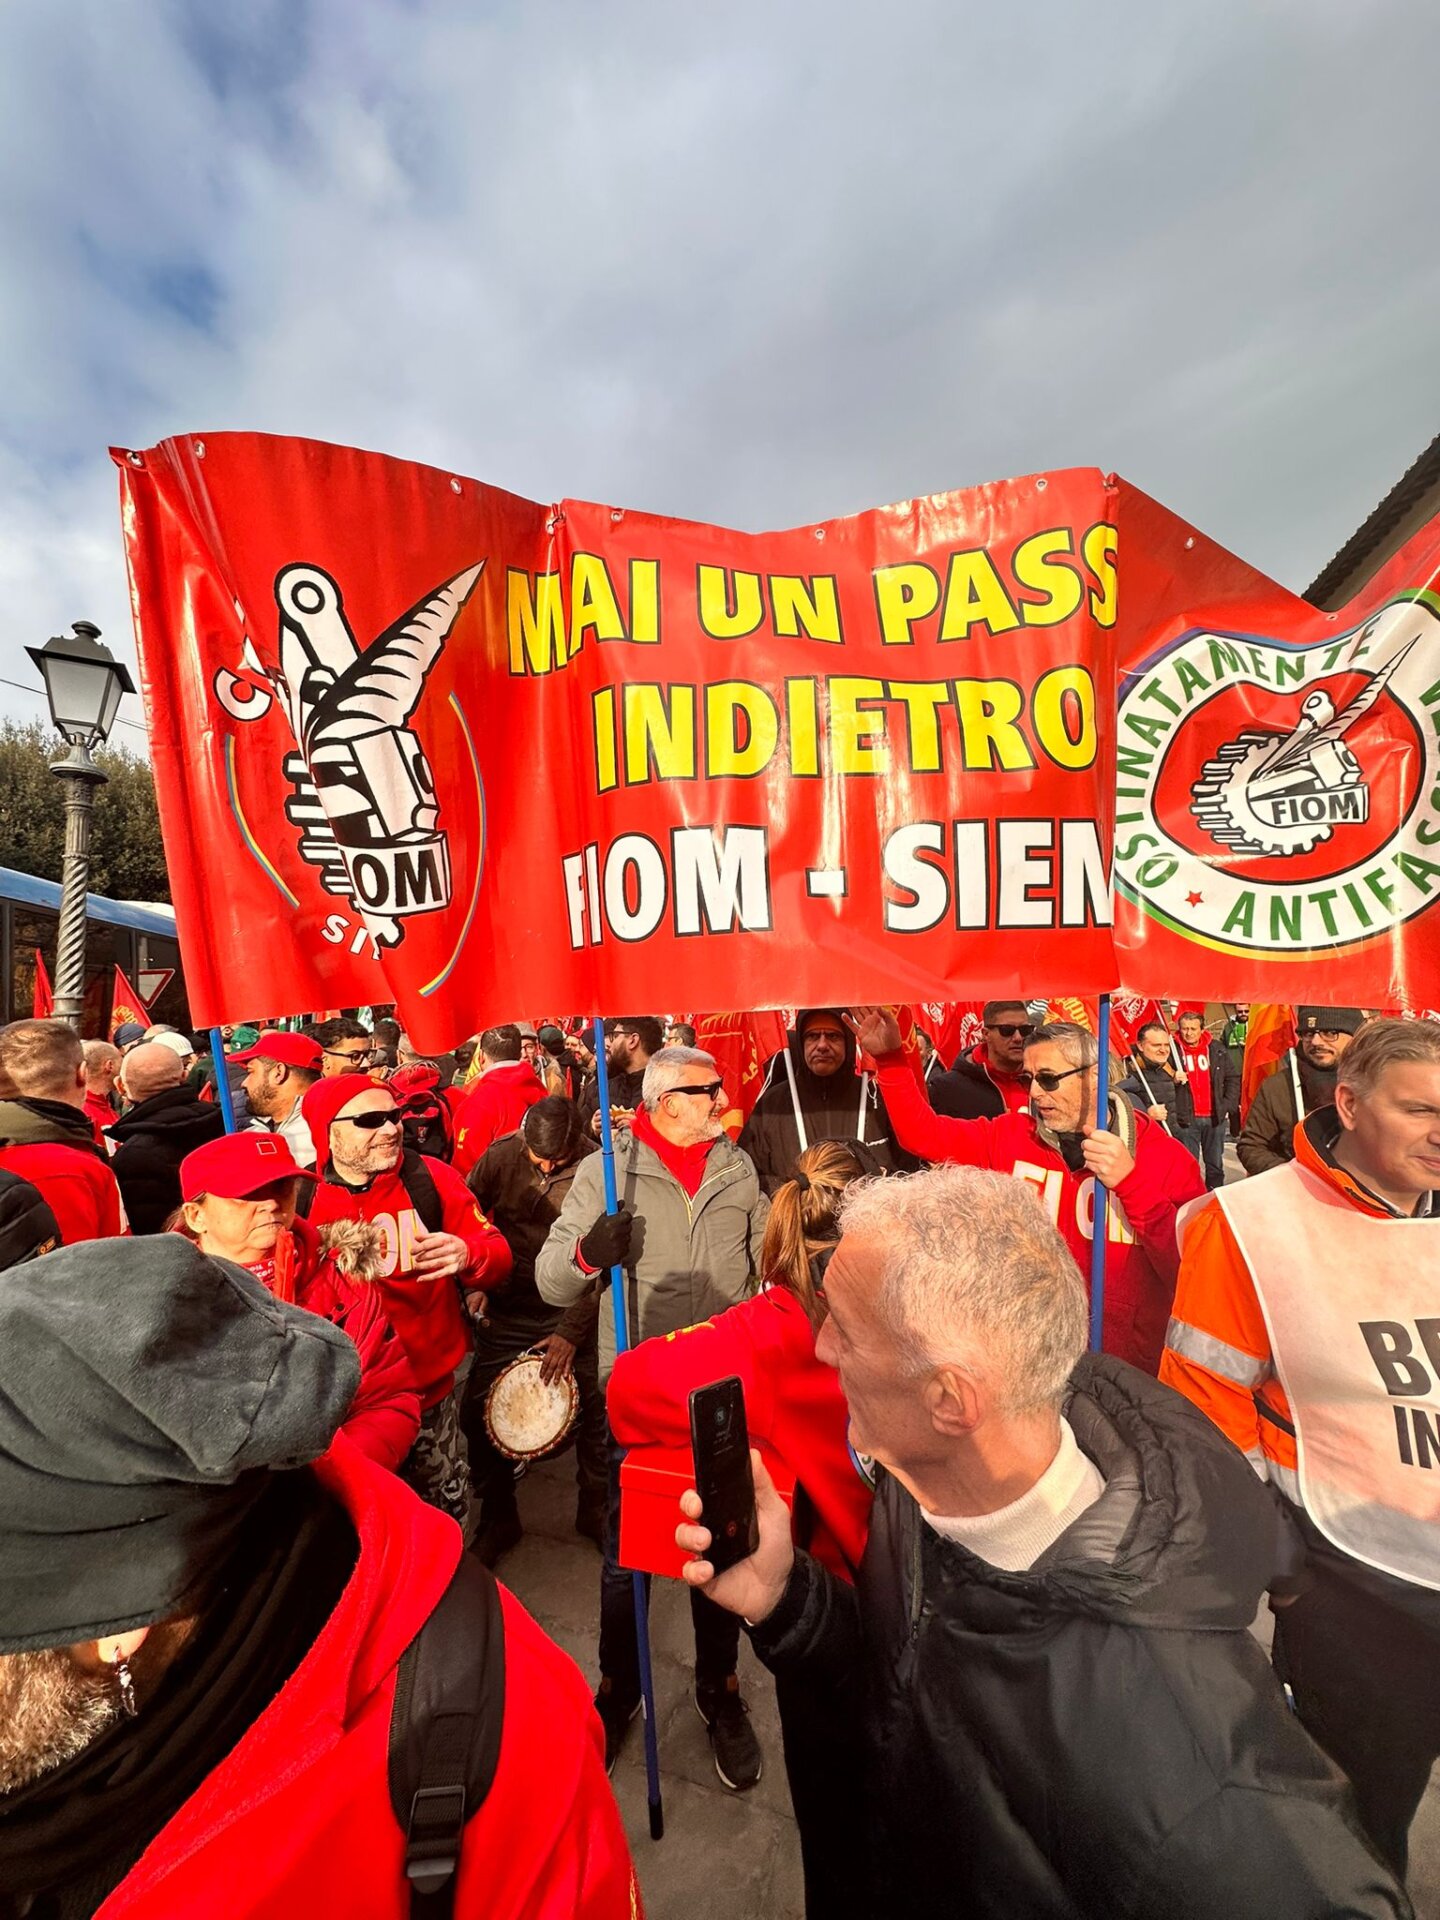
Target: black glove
x,y
607,1244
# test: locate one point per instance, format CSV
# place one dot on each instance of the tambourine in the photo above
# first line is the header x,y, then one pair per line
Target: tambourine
x,y
527,1417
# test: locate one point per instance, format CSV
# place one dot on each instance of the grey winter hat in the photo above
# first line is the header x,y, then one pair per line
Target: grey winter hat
x,y
147,1395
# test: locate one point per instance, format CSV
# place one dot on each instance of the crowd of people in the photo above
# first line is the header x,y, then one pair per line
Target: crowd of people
x,y
252,1489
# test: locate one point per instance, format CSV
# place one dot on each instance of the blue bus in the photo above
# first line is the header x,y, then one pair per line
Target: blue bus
x,y
136,936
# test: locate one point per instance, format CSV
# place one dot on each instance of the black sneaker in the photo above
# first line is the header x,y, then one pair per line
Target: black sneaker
x,y
616,1712
737,1751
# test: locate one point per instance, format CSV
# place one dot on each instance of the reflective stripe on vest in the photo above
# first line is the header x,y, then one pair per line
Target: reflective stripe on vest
x,y
1352,1306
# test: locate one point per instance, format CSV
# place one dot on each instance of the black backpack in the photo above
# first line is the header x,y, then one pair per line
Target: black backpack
x,y
27,1226
445,1727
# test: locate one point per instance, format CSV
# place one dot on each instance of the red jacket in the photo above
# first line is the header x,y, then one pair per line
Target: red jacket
x,y
495,1105
77,1185
329,1277
1143,1250
793,1404
100,1114
426,1314
297,1820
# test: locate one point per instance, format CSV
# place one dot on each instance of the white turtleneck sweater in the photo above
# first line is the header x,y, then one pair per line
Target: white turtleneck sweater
x,y
1015,1537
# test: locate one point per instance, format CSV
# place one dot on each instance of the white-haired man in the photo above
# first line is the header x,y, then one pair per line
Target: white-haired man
x,y
1062,1712
688,1235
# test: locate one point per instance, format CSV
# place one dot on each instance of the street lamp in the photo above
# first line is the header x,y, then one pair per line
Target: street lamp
x,y
83,683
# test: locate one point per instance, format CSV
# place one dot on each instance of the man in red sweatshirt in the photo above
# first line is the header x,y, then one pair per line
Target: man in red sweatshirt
x,y
46,1136
437,1244
498,1100
1059,1148
225,1672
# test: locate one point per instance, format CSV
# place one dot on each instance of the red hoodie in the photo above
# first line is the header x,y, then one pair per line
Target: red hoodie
x,y
495,1105
77,1185
297,1818
793,1404
426,1314
1143,1257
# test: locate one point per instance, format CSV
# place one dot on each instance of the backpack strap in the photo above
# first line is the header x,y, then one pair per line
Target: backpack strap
x,y
419,1183
445,1727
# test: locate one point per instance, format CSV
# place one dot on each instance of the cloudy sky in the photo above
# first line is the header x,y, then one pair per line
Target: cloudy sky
x,y
756,264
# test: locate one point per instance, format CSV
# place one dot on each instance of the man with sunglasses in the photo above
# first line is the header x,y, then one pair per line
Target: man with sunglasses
x,y
688,1236
985,1082
1058,1146
437,1243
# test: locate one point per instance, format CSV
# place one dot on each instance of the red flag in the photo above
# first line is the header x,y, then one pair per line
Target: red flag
x,y
1268,1037
954,1025
42,1005
1079,1013
1128,1014
126,1005
742,1043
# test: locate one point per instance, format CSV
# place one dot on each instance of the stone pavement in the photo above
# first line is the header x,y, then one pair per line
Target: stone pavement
x,y
728,1856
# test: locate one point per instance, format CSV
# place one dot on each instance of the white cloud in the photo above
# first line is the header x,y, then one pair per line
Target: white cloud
x,y
758,264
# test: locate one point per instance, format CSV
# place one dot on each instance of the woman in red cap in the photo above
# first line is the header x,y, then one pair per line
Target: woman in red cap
x,y
238,1203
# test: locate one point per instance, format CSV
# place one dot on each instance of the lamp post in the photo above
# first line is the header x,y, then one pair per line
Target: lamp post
x,y
83,683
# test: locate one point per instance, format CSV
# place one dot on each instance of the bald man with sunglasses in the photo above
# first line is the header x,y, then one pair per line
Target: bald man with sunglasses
x,y
1057,1146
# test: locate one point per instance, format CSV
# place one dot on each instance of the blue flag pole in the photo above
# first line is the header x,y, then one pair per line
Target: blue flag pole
x,y
222,1079
622,1341
1100,1206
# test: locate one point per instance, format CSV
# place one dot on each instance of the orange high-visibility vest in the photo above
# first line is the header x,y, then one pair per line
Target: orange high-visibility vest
x,y
1352,1307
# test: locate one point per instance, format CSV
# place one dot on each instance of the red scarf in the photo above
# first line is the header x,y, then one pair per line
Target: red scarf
x,y
686,1163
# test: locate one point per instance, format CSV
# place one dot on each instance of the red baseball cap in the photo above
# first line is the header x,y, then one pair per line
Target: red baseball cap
x,y
290,1049
237,1165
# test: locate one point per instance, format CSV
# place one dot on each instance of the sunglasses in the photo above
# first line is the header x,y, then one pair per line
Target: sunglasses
x,y
710,1089
372,1122
1046,1081
1009,1032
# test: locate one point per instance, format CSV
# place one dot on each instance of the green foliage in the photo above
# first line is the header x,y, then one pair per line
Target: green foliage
x,y
127,855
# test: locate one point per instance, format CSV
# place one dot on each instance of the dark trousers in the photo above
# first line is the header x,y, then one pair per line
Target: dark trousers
x,y
825,1769
1366,1681
717,1633
1212,1151
497,1343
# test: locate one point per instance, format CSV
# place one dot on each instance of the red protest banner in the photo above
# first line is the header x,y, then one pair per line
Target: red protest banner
x,y
592,757
1277,777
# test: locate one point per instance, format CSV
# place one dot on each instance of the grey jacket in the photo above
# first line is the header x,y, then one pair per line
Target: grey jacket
x,y
689,1258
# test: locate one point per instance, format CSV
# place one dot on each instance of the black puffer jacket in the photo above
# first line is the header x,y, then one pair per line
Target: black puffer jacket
x,y
831,1105
1099,1738
153,1138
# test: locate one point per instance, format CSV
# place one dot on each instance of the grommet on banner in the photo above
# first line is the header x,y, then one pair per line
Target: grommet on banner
x,y
1189,541
199,449
1041,484
136,459
819,533
617,514
454,485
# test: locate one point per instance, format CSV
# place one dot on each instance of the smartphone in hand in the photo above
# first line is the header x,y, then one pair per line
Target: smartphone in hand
x,y
720,1441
